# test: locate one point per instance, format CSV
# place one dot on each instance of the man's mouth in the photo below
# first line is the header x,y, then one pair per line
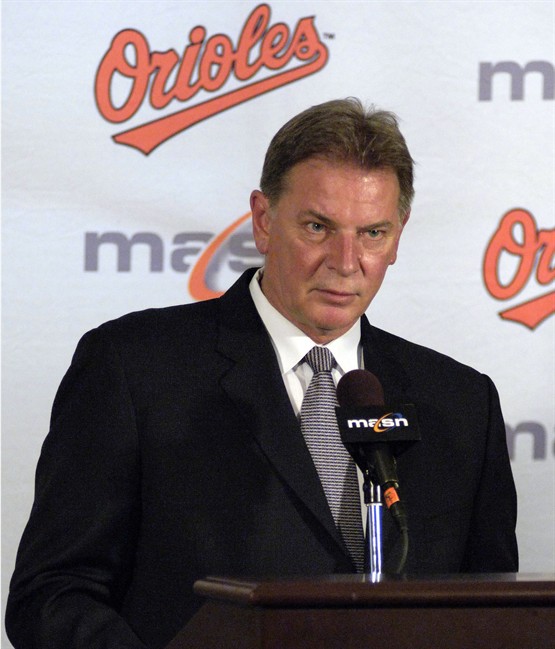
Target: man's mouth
x,y
337,296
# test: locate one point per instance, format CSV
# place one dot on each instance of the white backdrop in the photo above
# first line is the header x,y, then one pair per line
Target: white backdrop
x,y
473,84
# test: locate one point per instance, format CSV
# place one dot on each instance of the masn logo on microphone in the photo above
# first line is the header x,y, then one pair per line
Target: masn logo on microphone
x,y
389,423
381,425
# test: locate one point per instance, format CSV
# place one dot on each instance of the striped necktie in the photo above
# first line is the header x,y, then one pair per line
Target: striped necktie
x,y
334,464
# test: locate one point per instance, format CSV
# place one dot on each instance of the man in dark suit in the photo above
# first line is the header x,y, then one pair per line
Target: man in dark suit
x,y
175,448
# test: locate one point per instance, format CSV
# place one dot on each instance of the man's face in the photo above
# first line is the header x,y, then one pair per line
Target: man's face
x,y
328,242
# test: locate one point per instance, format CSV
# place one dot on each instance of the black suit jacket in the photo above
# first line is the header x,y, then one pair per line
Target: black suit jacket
x,y
174,453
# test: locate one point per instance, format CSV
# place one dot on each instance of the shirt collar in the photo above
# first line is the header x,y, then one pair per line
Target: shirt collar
x,y
291,344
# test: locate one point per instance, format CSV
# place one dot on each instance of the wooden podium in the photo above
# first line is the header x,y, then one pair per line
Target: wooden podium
x,y
501,611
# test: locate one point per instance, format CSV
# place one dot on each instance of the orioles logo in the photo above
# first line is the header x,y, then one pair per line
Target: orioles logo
x,y
206,65
518,237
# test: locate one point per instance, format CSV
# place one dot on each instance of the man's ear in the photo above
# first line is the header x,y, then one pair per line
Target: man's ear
x,y
404,220
260,208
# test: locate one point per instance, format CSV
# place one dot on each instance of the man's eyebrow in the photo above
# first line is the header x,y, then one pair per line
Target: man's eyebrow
x,y
386,225
318,215
326,220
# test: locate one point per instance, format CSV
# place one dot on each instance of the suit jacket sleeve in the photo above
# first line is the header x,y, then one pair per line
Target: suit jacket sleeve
x,y
76,552
492,545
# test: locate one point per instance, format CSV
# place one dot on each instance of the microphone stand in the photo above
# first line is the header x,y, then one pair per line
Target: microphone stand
x,y
373,541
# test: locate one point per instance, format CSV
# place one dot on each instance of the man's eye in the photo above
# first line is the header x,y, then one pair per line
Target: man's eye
x,y
374,234
316,227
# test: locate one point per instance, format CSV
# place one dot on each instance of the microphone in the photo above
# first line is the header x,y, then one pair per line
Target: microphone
x,y
373,434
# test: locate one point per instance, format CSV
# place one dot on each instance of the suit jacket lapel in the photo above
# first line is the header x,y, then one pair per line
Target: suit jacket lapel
x,y
254,383
381,359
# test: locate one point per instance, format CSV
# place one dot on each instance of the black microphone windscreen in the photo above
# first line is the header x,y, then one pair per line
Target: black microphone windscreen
x,y
359,388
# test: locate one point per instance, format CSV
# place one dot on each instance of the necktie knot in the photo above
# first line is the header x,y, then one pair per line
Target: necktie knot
x,y
320,359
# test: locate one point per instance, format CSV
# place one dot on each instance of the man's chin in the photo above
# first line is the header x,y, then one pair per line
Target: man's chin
x,y
329,327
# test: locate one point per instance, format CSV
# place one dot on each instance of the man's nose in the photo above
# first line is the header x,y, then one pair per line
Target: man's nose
x,y
345,253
